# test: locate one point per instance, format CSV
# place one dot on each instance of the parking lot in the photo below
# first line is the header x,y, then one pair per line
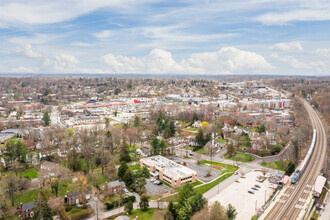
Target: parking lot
x,y
245,203
153,189
201,170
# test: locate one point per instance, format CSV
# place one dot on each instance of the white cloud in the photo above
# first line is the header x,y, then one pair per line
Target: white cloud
x,y
26,51
61,63
23,69
49,11
81,44
104,34
291,61
323,52
224,61
290,46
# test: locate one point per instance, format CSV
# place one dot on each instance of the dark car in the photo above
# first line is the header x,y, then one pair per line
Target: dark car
x,y
257,186
254,188
251,192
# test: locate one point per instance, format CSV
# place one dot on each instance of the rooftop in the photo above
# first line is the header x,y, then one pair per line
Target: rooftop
x,y
168,167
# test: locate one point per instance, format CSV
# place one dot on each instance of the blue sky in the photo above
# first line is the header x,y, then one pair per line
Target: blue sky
x,y
157,37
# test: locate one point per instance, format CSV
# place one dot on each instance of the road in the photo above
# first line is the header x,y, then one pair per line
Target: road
x,y
290,204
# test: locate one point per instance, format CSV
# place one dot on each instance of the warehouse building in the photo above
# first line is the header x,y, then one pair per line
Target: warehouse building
x,y
168,171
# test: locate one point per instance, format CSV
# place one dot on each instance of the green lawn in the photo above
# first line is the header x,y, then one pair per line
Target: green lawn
x,y
240,157
196,183
278,165
32,173
26,196
191,129
220,140
148,214
206,187
226,167
253,129
134,167
202,151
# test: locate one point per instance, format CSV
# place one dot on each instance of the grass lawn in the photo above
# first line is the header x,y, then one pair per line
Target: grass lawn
x,y
148,214
202,151
26,196
134,167
253,129
220,140
226,167
278,165
191,129
196,183
185,124
206,187
240,157
32,173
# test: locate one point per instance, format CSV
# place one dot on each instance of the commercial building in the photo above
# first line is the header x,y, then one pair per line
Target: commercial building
x,y
169,171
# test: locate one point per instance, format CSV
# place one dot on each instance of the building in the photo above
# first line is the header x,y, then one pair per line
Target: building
x,y
25,211
318,186
168,171
76,197
114,186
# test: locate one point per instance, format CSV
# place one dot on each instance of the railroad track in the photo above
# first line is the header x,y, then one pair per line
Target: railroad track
x,y
291,202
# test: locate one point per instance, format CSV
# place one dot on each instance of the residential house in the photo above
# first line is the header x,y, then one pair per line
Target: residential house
x,y
25,211
114,186
76,197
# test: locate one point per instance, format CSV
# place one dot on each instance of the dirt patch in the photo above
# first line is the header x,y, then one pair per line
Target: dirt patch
x,y
216,167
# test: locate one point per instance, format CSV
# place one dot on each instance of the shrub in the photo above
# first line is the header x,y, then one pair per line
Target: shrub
x,y
109,205
129,198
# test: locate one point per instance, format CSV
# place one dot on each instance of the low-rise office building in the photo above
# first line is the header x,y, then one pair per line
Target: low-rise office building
x,y
169,171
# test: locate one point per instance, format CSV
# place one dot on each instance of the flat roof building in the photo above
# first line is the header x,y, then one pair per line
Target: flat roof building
x,y
169,171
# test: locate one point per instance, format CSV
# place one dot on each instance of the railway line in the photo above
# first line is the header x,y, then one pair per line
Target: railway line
x,y
290,204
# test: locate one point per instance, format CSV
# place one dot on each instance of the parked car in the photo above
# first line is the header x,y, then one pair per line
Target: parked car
x,y
236,173
254,188
125,190
251,192
257,186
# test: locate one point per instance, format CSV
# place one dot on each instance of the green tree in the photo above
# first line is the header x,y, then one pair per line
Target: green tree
x,y
69,132
145,172
162,146
172,209
122,169
46,118
128,177
129,206
199,137
16,150
54,185
195,117
230,150
261,128
5,208
155,146
144,201
137,121
231,212
290,168
124,152
41,209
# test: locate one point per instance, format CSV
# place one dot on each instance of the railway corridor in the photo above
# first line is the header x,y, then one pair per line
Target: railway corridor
x,y
291,202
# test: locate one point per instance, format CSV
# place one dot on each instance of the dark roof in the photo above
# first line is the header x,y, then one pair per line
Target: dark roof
x,y
27,206
115,183
77,193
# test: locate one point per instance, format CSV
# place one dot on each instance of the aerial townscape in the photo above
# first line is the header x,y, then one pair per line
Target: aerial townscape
x,y
164,110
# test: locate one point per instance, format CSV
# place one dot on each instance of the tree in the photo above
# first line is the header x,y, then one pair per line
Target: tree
x,y
69,132
155,146
14,185
54,185
57,205
41,209
195,117
46,118
230,150
162,146
171,208
129,206
199,138
137,121
5,209
231,212
122,169
290,168
16,150
144,201
261,128
124,152
214,212
128,177
145,172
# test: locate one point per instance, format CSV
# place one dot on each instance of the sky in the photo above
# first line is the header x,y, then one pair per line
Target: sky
x,y
282,37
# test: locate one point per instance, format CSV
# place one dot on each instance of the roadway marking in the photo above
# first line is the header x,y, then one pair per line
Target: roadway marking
x,y
302,200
